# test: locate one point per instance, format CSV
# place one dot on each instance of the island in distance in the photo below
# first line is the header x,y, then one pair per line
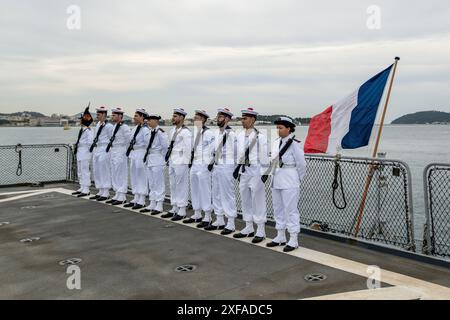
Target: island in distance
x,y
424,117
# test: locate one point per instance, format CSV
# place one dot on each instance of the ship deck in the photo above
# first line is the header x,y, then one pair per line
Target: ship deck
x,y
128,255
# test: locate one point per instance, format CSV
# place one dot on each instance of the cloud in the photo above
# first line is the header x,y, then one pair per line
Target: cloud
x,y
295,57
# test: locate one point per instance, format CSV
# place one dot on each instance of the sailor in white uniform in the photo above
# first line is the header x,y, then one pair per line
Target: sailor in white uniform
x,y
178,157
81,150
200,176
117,148
155,164
288,167
222,166
136,150
101,165
253,161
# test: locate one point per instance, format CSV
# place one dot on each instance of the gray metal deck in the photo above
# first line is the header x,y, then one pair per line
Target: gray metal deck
x,y
128,255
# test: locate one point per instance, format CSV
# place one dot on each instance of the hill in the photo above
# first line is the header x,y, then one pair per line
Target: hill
x,y
424,117
27,113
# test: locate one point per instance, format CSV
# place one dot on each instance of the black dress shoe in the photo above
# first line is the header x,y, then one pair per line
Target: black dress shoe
x,y
288,248
129,205
275,244
76,193
145,210
116,203
155,212
226,232
213,227
203,224
137,207
241,235
168,215
94,197
191,220
82,195
102,198
177,218
110,201
257,239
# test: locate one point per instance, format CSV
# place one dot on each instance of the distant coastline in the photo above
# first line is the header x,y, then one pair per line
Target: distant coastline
x,y
36,119
424,117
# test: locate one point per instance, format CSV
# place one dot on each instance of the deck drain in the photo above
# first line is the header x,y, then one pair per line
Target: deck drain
x,y
315,277
28,240
29,207
185,268
4,223
70,261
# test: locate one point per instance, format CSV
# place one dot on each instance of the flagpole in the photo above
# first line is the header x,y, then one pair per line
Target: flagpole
x,y
375,151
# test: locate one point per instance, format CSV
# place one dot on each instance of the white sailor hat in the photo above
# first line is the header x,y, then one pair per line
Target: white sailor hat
x,y
202,113
102,109
153,116
117,110
180,111
142,111
285,121
225,111
249,112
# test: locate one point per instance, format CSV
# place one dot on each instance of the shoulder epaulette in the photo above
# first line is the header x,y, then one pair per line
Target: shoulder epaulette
x,y
296,140
161,130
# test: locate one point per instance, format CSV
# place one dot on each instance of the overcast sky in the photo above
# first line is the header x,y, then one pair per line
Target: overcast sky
x,y
279,56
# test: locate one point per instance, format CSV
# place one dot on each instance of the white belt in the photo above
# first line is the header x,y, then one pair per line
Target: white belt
x,y
118,145
81,145
201,157
287,166
135,148
102,144
154,151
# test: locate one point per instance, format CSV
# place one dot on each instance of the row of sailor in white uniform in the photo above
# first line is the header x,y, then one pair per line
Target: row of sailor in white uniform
x,y
211,160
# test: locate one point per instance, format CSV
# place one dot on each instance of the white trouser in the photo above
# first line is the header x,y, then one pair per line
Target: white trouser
x,y
179,185
138,177
156,183
253,198
285,209
201,188
224,194
119,174
84,175
102,170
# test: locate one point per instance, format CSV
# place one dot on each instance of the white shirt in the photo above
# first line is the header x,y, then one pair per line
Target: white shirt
x,y
104,137
122,140
86,139
159,147
141,142
181,152
203,153
229,150
289,176
258,156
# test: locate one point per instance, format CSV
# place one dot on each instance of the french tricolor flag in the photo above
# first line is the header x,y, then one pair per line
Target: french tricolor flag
x,y
348,123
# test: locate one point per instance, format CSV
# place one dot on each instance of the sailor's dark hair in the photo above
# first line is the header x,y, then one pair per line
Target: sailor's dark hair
x,y
141,114
225,115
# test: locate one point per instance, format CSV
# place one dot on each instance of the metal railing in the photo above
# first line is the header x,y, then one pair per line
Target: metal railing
x,y
388,212
436,179
34,164
387,216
